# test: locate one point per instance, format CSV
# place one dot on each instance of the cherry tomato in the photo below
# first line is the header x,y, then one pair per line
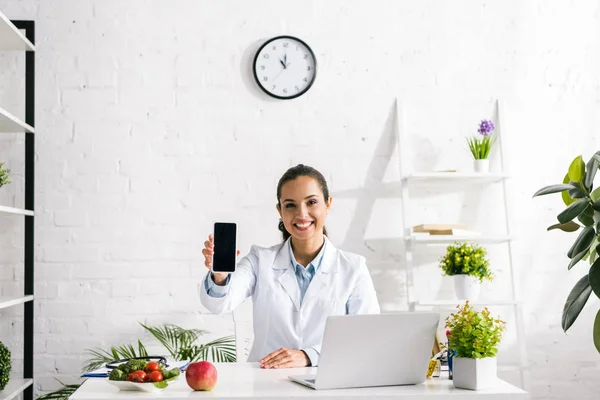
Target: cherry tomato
x,y
136,376
152,366
156,376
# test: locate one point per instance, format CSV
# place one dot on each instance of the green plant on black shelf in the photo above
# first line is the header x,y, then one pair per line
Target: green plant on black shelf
x,y
5,365
4,174
466,259
180,344
583,204
474,334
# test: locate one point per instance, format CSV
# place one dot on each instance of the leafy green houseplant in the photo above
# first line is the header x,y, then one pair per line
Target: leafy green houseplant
x,y
582,213
180,344
5,365
4,173
468,265
474,337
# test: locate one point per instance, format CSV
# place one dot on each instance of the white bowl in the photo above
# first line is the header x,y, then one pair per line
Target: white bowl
x,y
139,386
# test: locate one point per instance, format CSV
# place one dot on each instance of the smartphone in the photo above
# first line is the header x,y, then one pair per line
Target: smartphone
x,y
225,247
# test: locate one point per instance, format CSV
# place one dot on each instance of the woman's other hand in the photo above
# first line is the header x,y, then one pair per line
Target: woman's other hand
x,y
285,358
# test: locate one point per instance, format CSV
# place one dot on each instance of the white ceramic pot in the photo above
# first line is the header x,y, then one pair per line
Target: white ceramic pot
x,y
474,373
466,287
482,165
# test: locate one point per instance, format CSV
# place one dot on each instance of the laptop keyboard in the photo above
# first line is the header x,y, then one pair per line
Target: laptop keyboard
x,y
310,380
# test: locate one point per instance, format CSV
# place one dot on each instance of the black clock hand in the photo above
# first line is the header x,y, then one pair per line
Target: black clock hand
x,y
285,59
283,64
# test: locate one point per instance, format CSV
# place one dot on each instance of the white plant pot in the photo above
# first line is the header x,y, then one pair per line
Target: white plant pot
x,y
466,287
482,165
474,373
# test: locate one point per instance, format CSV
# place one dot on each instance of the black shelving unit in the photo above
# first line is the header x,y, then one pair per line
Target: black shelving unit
x,y
25,385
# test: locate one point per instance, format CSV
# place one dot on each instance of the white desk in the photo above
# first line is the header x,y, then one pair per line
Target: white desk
x,y
248,381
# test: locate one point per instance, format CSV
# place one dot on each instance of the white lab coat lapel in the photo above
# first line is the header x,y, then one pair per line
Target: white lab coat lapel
x,y
325,274
287,277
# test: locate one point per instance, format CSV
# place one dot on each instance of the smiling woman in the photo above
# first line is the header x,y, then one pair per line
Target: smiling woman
x,y
297,284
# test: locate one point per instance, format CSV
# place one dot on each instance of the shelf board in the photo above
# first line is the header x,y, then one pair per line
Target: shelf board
x,y
454,303
11,124
11,38
487,239
14,388
12,210
6,301
454,177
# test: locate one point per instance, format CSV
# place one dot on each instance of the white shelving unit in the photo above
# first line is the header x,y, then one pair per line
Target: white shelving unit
x,y
12,39
11,124
411,240
14,388
6,302
12,210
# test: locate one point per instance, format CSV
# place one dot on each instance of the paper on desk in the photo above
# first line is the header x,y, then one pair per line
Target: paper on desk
x,y
103,372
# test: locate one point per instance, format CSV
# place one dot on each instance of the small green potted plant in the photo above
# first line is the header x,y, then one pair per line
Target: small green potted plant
x,y
4,173
5,366
480,146
468,266
474,338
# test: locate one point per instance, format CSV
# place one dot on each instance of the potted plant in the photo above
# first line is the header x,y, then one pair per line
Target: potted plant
x,y
480,146
582,212
468,266
4,175
5,366
474,338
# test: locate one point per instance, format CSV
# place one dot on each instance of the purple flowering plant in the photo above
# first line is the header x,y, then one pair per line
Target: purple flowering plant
x,y
481,145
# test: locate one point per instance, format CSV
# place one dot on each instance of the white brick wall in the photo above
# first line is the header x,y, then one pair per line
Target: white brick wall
x,y
150,128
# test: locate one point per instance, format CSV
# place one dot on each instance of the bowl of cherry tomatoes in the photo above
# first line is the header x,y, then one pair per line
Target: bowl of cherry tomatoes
x,y
142,374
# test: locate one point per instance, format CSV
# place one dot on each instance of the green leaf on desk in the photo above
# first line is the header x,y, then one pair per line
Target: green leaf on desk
x,y
161,385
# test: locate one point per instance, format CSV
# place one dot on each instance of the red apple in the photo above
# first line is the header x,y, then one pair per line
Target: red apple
x,y
201,375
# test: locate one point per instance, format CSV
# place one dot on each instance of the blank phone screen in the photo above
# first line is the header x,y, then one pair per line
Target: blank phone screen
x,y
225,247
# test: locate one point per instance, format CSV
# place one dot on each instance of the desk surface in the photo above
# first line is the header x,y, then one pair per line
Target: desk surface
x,y
248,381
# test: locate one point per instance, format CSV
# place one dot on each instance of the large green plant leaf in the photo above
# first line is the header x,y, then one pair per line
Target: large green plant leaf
x,y
577,169
583,242
565,195
577,192
594,250
587,216
554,189
590,172
568,227
572,211
577,258
594,277
575,302
597,331
595,195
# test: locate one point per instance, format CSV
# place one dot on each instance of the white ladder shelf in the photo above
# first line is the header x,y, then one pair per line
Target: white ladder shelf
x,y
411,240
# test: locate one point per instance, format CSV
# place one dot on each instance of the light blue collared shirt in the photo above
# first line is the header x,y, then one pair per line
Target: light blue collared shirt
x,y
303,275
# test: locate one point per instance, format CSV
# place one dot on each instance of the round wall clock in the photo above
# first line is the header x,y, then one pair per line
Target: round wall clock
x,y
285,67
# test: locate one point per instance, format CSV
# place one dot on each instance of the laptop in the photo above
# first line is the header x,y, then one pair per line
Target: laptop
x,y
374,350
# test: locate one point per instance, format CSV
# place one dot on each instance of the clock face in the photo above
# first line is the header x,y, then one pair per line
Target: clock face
x,y
285,67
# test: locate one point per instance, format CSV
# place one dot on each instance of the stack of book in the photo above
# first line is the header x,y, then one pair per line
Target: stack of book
x,y
443,229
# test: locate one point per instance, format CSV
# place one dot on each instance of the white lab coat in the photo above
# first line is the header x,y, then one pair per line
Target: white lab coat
x,y
341,285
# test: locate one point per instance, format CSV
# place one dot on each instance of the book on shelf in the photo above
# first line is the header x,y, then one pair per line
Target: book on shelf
x,y
436,227
443,229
